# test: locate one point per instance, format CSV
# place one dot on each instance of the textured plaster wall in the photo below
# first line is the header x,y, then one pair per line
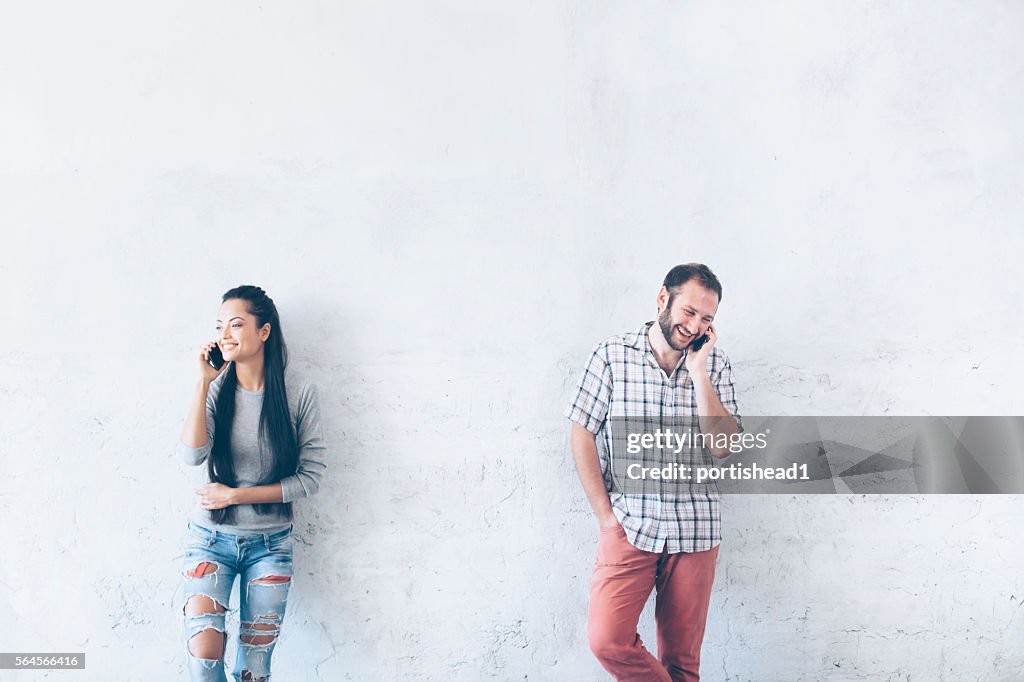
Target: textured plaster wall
x,y
451,204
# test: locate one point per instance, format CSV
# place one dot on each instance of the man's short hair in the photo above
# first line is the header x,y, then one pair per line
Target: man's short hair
x,y
681,274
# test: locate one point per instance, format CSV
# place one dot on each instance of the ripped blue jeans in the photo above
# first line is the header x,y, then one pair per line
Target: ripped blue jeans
x,y
212,560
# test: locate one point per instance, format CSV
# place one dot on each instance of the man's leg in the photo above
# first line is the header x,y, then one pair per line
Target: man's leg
x,y
619,587
684,592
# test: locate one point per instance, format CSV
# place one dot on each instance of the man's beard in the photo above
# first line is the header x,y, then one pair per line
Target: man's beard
x,y
668,329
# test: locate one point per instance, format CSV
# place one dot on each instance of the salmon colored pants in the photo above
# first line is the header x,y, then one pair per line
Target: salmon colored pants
x,y
619,587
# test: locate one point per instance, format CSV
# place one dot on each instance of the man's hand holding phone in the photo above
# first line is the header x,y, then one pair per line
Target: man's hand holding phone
x,y
700,350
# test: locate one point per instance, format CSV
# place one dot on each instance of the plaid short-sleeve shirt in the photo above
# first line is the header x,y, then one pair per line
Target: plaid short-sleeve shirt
x,y
622,378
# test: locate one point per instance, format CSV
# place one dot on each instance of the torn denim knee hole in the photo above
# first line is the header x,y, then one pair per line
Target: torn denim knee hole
x,y
202,569
256,641
207,620
260,632
247,677
213,600
207,662
271,580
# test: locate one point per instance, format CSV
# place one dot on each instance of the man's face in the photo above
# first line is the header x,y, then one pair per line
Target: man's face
x,y
686,314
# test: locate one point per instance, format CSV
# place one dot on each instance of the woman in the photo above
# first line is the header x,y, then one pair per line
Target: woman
x,y
257,427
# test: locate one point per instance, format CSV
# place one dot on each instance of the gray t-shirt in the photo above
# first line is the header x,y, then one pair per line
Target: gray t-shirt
x,y
253,462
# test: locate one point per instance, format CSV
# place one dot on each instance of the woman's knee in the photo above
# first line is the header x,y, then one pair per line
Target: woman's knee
x,y
201,605
206,631
208,644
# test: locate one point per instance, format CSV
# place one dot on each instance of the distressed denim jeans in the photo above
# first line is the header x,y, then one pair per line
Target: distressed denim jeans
x,y
263,562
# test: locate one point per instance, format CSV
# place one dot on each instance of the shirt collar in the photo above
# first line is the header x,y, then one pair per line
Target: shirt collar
x,y
638,339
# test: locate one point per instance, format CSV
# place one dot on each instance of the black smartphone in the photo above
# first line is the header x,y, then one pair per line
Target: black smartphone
x,y
697,343
216,358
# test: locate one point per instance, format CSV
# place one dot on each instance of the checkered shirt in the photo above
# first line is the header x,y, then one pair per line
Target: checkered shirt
x,y
622,379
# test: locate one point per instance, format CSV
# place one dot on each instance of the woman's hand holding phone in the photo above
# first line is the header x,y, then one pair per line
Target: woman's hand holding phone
x,y
211,362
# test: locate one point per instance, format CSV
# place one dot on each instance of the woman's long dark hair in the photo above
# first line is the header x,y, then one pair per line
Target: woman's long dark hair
x,y
276,429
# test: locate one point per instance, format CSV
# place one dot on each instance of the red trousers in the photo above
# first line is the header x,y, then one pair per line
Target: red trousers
x,y
621,583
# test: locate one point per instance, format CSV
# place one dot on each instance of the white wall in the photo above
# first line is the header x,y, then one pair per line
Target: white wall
x,y
451,204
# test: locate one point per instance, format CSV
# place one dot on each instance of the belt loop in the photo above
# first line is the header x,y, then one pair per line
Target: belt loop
x,y
266,541
213,536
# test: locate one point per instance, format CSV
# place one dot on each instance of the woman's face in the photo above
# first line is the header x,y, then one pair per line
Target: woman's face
x,y
237,334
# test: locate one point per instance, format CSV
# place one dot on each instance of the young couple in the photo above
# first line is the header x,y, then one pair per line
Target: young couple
x,y
257,427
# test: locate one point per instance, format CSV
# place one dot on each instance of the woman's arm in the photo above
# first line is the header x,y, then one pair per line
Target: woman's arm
x,y
218,495
193,433
197,432
312,449
303,483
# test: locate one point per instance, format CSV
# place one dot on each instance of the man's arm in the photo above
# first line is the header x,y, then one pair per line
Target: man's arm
x,y
714,418
588,466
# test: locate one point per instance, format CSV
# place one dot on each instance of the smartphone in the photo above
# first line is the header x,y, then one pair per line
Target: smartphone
x,y
216,358
697,343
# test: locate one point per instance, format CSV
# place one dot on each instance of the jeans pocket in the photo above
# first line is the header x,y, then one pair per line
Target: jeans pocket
x,y
198,537
281,545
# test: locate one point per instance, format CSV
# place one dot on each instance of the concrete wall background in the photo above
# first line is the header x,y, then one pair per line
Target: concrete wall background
x,y
451,204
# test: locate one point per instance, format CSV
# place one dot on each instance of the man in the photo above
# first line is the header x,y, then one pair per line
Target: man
x,y
667,542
